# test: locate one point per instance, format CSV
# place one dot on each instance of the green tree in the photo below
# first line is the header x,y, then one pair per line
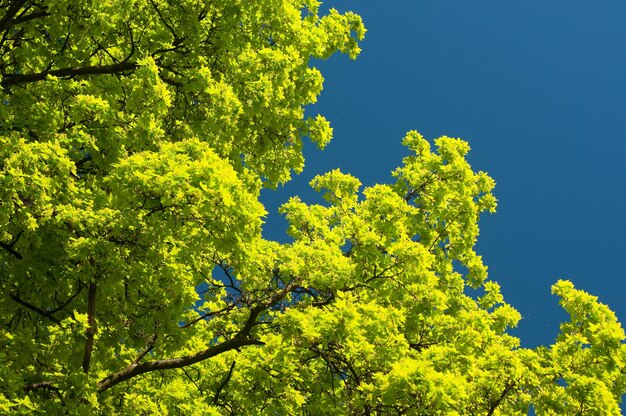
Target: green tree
x,y
135,137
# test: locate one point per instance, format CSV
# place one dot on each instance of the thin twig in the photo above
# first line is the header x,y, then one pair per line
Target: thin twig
x,y
223,383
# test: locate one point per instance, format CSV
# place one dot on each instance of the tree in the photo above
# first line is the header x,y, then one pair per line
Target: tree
x,y
135,138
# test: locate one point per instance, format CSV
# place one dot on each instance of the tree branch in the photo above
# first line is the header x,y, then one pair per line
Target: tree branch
x,y
210,314
134,370
67,302
46,385
195,383
242,339
9,248
413,192
149,348
34,308
7,19
17,79
496,403
177,40
419,346
31,16
91,330
223,383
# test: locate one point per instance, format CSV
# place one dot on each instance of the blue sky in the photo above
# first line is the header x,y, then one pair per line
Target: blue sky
x,y
538,89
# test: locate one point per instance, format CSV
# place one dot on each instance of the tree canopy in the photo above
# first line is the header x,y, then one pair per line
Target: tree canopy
x,y
135,138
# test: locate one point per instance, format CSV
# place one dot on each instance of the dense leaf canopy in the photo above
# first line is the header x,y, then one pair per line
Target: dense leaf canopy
x,y
135,137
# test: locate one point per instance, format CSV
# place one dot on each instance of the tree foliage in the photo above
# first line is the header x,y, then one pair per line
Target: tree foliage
x,y
135,137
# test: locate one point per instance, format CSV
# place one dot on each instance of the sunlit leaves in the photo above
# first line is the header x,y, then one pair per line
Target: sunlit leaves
x,y
135,137
134,140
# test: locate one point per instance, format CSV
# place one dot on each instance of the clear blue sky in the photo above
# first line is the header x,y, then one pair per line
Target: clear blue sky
x,y
538,88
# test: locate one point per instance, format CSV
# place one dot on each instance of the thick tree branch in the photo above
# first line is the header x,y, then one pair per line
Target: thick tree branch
x,y
34,308
30,16
45,385
91,330
10,80
9,248
242,339
7,19
134,370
